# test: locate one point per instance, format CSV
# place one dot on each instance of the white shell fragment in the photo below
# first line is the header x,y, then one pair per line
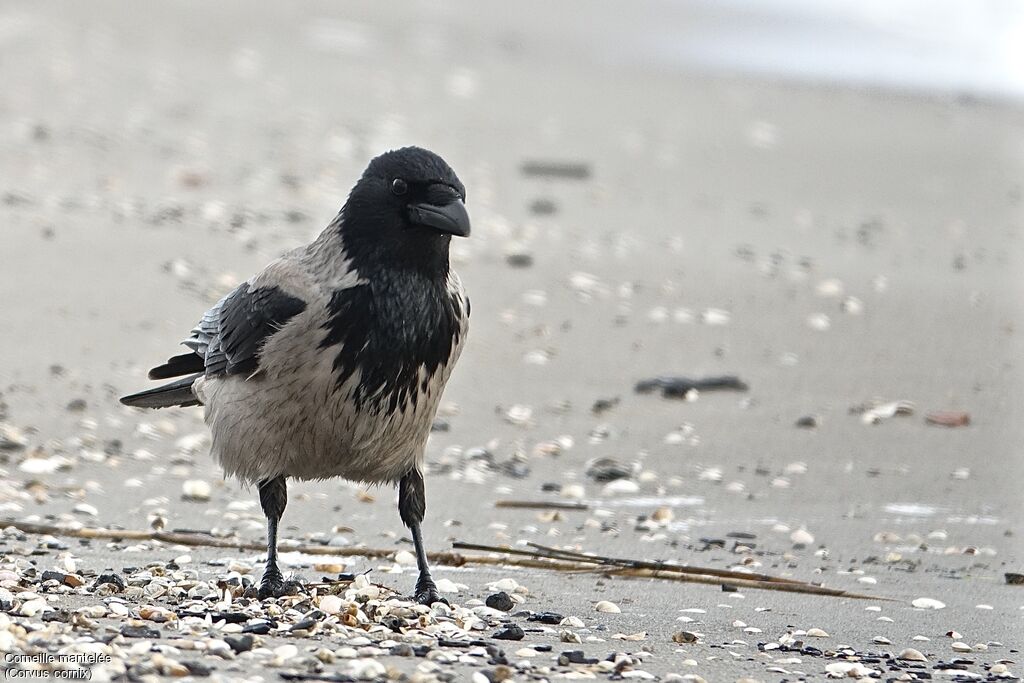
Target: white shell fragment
x,y
801,537
196,490
928,603
608,607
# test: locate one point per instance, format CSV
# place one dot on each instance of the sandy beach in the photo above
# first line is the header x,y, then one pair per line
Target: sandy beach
x,y
837,250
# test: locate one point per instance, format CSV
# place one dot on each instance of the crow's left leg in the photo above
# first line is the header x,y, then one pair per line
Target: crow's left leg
x,y
273,499
412,504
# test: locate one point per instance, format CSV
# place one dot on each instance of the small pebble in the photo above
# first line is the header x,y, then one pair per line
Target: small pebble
x,y
510,632
501,601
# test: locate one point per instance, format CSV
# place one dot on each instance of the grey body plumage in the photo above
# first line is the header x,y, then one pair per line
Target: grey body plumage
x,y
331,361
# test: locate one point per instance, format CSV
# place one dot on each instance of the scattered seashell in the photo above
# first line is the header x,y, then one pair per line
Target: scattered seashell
x,y
849,669
819,322
405,558
801,537
196,491
928,603
876,414
331,604
11,438
851,305
519,415
948,418
620,486
715,317
608,607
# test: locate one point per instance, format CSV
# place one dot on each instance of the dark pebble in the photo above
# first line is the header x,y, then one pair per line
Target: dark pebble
x,y
198,669
230,617
53,576
608,469
807,422
500,601
495,655
76,405
392,622
509,632
556,169
515,469
260,628
519,260
61,615
332,676
575,657
139,632
546,618
303,625
603,405
114,579
402,650
239,644
543,207
678,387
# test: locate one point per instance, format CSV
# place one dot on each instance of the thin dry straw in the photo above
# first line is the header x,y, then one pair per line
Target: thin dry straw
x,y
541,557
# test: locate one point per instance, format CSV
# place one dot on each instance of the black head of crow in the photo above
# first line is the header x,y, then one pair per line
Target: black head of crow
x,y
330,362
404,211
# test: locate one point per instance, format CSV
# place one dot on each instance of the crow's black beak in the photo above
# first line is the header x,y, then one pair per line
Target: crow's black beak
x,y
451,218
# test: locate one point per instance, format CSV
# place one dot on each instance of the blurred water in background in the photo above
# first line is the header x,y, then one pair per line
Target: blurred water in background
x,y
962,46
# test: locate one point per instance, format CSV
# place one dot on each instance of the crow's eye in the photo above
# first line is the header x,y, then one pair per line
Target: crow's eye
x,y
399,186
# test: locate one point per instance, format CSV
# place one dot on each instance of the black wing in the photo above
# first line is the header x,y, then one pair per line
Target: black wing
x,y
228,339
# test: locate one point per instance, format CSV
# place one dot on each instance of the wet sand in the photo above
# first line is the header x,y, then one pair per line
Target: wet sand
x,y
828,247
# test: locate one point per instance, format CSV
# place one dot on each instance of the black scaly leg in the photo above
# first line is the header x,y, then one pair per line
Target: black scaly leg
x,y
412,504
274,499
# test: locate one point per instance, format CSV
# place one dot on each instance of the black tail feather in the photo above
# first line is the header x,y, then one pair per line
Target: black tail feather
x,y
177,393
185,364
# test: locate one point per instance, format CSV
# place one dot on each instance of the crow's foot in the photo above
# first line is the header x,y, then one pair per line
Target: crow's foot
x,y
426,592
273,585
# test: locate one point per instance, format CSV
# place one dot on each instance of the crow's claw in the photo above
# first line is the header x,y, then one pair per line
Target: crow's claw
x,y
273,585
426,593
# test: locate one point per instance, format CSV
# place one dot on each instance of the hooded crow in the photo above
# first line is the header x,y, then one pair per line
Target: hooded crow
x,y
330,362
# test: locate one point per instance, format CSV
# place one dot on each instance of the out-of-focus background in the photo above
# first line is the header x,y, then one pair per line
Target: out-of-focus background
x,y
821,198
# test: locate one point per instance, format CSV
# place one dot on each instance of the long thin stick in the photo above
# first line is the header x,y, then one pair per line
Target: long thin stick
x,y
659,570
540,505
545,558
557,553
